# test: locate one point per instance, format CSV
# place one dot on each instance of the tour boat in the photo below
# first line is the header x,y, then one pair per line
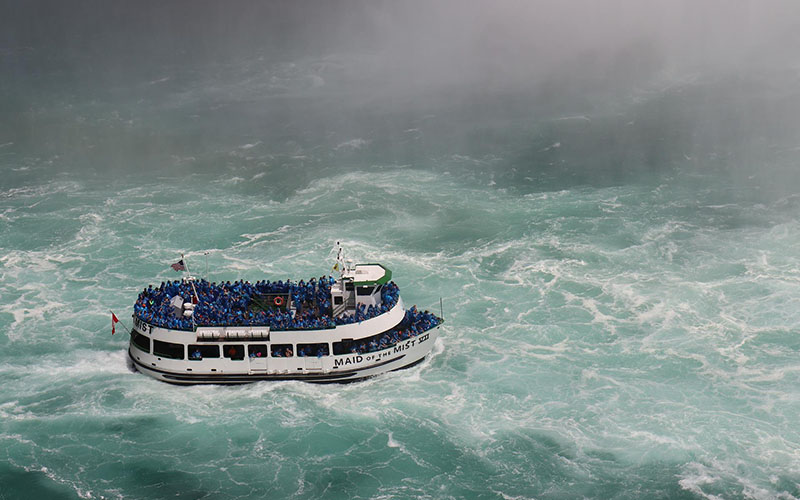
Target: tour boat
x,y
322,330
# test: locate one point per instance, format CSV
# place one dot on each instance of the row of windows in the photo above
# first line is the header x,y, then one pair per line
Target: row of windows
x,y
235,352
360,291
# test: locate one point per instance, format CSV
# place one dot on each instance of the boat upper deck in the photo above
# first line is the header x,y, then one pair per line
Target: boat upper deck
x,y
281,305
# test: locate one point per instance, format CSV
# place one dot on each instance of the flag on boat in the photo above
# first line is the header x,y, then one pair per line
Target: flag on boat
x,y
114,321
178,266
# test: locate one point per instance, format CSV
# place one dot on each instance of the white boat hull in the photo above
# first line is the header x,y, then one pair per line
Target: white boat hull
x,y
326,369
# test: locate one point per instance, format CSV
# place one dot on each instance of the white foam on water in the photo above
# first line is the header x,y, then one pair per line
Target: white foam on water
x,y
41,190
77,367
11,410
391,443
720,472
28,310
357,143
696,477
73,484
230,181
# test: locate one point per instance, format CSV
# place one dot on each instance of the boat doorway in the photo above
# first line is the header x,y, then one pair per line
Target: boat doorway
x,y
258,356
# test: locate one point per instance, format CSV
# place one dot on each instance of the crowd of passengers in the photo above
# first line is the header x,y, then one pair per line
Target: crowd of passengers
x,y
229,303
416,322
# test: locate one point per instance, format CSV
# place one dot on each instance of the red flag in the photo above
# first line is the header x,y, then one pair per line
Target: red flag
x,y
114,322
178,266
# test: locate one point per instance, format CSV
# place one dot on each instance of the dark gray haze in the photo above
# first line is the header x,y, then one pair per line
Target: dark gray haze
x,y
523,94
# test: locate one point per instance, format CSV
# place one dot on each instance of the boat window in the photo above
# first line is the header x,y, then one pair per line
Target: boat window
x,y
200,351
282,351
338,300
141,341
364,290
348,285
257,351
233,351
167,349
343,347
317,350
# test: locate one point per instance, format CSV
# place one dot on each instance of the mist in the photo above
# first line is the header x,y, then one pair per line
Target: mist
x,y
524,94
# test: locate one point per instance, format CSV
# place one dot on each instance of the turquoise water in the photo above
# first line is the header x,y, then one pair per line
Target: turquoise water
x,y
619,279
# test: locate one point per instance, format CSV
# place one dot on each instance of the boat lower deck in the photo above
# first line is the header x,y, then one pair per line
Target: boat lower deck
x,y
324,369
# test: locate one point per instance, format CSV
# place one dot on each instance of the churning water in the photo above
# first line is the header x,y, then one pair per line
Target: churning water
x,y
620,281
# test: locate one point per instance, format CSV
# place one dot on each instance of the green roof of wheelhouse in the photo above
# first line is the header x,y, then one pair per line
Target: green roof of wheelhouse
x,y
371,274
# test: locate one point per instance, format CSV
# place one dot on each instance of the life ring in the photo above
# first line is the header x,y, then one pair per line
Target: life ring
x,y
278,301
